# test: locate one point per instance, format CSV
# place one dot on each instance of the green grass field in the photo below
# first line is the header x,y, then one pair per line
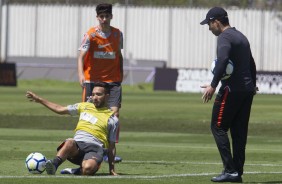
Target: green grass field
x,y
165,136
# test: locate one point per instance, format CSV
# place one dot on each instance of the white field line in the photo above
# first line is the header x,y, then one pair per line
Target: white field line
x,y
212,147
170,146
196,147
195,163
155,176
127,177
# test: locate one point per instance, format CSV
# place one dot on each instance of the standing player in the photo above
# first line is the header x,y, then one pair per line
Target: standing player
x,y
96,130
100,58
232,105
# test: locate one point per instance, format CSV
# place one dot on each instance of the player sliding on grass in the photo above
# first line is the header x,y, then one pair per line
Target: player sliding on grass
x,y
96,130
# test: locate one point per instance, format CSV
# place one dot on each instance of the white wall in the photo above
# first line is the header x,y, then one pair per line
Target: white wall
x,y
170,34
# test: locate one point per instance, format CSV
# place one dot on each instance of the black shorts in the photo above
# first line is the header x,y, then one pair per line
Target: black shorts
x,y
86,151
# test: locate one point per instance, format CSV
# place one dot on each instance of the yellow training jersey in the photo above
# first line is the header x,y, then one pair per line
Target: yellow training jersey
x,y
93,120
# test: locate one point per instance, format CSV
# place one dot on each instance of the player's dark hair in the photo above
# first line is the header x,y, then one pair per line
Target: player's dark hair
x,y
104,85
224,20
104,8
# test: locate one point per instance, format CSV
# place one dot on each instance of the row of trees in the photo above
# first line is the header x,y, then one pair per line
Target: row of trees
x,y
261,4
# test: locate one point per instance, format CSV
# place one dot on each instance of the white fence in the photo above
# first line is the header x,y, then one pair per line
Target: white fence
x,y
170,34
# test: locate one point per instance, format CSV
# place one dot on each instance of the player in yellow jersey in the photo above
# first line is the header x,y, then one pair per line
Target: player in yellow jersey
x,y
96,130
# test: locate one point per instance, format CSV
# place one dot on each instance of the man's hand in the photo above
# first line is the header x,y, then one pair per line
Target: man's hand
x,y
80,71
81,79
111,157
113,173
32,97
59,109
208,93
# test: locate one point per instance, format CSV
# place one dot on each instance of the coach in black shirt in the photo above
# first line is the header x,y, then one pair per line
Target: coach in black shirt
x,y
232,105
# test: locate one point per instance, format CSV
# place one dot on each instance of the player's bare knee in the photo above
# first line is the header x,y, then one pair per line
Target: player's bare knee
x,y
89,169
70,144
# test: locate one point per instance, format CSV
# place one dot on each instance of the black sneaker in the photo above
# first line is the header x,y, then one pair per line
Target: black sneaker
x,y
50,167
228,177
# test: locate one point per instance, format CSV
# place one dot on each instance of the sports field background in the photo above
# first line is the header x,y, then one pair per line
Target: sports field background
x,y
165,136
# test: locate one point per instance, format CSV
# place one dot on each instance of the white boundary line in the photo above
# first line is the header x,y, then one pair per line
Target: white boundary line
x,y
127,177
150,177
195,163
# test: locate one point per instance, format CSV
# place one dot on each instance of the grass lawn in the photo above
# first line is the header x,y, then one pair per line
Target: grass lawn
x,y
165,136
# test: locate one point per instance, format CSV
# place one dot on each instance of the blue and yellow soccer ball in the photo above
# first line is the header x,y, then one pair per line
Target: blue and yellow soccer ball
x,y
228,71
35,163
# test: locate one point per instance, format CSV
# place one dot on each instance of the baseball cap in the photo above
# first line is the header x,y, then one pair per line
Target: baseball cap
x,y
215,12
104,8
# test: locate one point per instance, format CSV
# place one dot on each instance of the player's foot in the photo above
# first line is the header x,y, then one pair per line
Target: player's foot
x,y
50,167
117,159
228,177
75,171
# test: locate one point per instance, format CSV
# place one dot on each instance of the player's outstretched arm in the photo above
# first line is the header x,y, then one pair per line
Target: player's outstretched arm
x,y
50,105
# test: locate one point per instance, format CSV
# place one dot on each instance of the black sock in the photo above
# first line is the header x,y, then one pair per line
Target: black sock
x,y
57,161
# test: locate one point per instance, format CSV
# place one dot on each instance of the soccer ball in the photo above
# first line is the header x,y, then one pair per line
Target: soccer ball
x,y
228,71
35,163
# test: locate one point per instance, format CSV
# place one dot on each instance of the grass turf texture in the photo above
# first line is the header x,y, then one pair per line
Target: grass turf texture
x,y
165,136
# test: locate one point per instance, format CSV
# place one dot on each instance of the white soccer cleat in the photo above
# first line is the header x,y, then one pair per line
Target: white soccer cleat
x,y
75,171
66,171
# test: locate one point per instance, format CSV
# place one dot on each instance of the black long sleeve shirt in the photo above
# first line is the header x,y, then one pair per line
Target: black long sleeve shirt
x,y
233,45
